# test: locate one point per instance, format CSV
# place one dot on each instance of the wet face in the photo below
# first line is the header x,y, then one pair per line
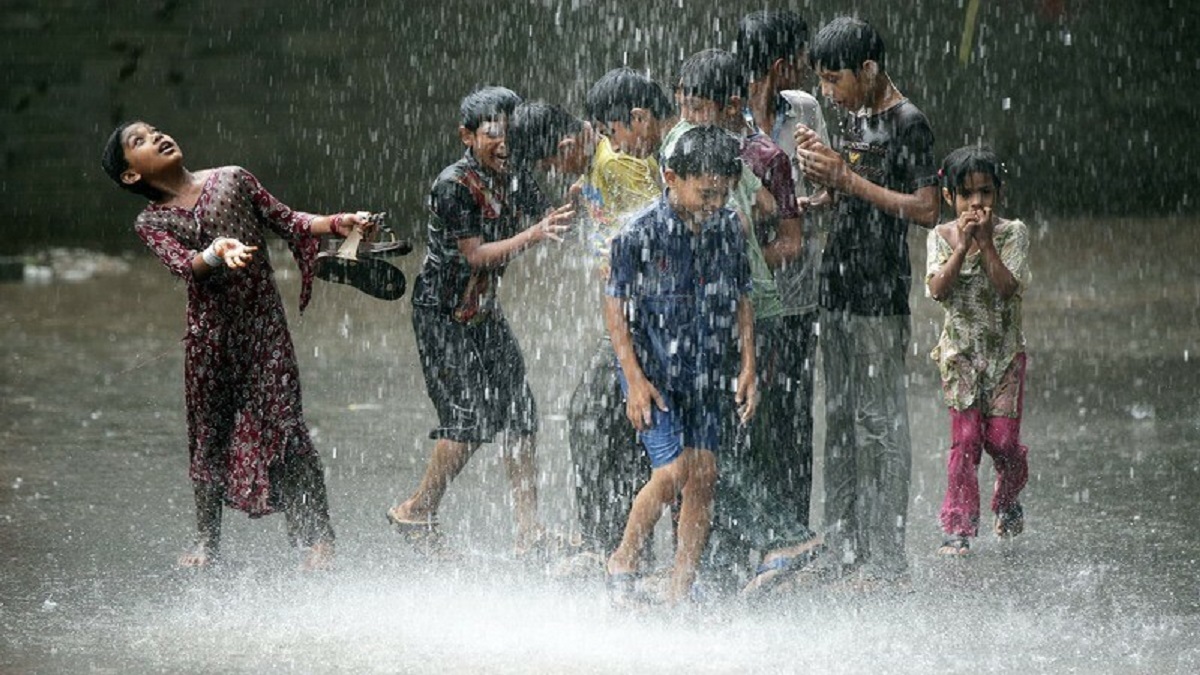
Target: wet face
x,y
148,151
697,198
488,144
844,87
794,71
573,155
977,192
705,112
639,137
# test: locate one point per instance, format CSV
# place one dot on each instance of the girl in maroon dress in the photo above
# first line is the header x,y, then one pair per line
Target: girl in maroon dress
x,y
249,445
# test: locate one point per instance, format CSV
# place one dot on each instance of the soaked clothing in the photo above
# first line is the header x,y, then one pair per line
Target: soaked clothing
x,y
981,334
868,451
973,431
473,368
467,201
617,186
798,281
475,376
865,269
764,295
682,291
241,381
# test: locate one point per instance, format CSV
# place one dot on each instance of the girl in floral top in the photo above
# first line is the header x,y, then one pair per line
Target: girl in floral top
x,y
978,270
249,445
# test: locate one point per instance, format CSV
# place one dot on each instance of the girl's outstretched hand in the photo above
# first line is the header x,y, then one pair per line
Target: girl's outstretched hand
x,y
343,224
233,252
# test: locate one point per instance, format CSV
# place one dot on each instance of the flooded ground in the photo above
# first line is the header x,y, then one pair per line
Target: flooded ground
x,y
95,502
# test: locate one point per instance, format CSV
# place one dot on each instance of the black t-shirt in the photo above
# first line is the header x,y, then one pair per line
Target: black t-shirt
x,y
468,201
865,268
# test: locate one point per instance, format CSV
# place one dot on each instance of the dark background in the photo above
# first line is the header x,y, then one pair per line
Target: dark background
x,y
353,104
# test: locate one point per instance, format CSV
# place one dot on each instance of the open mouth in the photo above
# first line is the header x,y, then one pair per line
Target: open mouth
x,y
166,148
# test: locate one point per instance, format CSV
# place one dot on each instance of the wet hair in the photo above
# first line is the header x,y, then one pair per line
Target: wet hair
x,y
705,151
845,44
614,96
536,128
764,37
487,104
113,161
712,74
967,160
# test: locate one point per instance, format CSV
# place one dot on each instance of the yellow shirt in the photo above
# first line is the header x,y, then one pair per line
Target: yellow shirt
x,y
617,186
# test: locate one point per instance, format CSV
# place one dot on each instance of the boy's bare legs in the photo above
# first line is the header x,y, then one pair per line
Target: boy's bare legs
x,y
695,520
520,464
209,500
694,473
648,505
447,461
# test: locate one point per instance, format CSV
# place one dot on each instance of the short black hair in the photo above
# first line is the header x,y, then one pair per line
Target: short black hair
x,y
845,44
487,104
614,96
967,160
535,129
764,37
705,151
712,74
113,161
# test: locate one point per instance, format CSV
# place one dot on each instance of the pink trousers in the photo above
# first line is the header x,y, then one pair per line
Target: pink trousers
x,y
971,433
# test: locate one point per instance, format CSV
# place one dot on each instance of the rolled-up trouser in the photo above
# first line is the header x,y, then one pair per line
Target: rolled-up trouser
x,y
973,431
868,452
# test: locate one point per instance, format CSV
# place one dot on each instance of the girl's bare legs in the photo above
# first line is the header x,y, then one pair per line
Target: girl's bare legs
x,y
208,526
447,461
521,466
695,520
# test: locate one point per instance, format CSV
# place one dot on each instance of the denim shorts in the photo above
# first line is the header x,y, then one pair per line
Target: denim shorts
x,y
690,421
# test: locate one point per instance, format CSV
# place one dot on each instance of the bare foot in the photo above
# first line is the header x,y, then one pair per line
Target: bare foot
x,y
200,556
319,557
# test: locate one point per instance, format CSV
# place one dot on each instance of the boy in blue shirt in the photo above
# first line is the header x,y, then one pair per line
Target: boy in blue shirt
x,y
677,306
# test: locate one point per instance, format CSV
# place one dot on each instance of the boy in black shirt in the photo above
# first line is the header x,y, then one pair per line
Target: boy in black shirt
x,y
473,367
881,174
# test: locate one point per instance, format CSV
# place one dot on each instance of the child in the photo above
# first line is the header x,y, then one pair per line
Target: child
x,y
880,175
773,46
249,445
978,269
629,109
752,516
677,306
481,211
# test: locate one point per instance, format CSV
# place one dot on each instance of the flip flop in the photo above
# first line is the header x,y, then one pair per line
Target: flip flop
x,y
954,547
424,534
377,278
623,592
350,264
769,575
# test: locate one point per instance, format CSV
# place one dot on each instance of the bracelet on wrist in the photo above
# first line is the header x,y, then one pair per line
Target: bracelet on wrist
x,y
210,257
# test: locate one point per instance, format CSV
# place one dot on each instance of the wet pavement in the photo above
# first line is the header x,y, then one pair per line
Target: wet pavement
x,y
95,503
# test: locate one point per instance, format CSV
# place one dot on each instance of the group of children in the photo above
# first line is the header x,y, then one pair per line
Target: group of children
x,y
724,238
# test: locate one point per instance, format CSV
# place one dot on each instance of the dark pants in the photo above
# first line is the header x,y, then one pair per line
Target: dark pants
x,y
609,463
765,471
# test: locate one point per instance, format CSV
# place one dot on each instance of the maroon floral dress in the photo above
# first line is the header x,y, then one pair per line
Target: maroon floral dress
x,y
241,381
